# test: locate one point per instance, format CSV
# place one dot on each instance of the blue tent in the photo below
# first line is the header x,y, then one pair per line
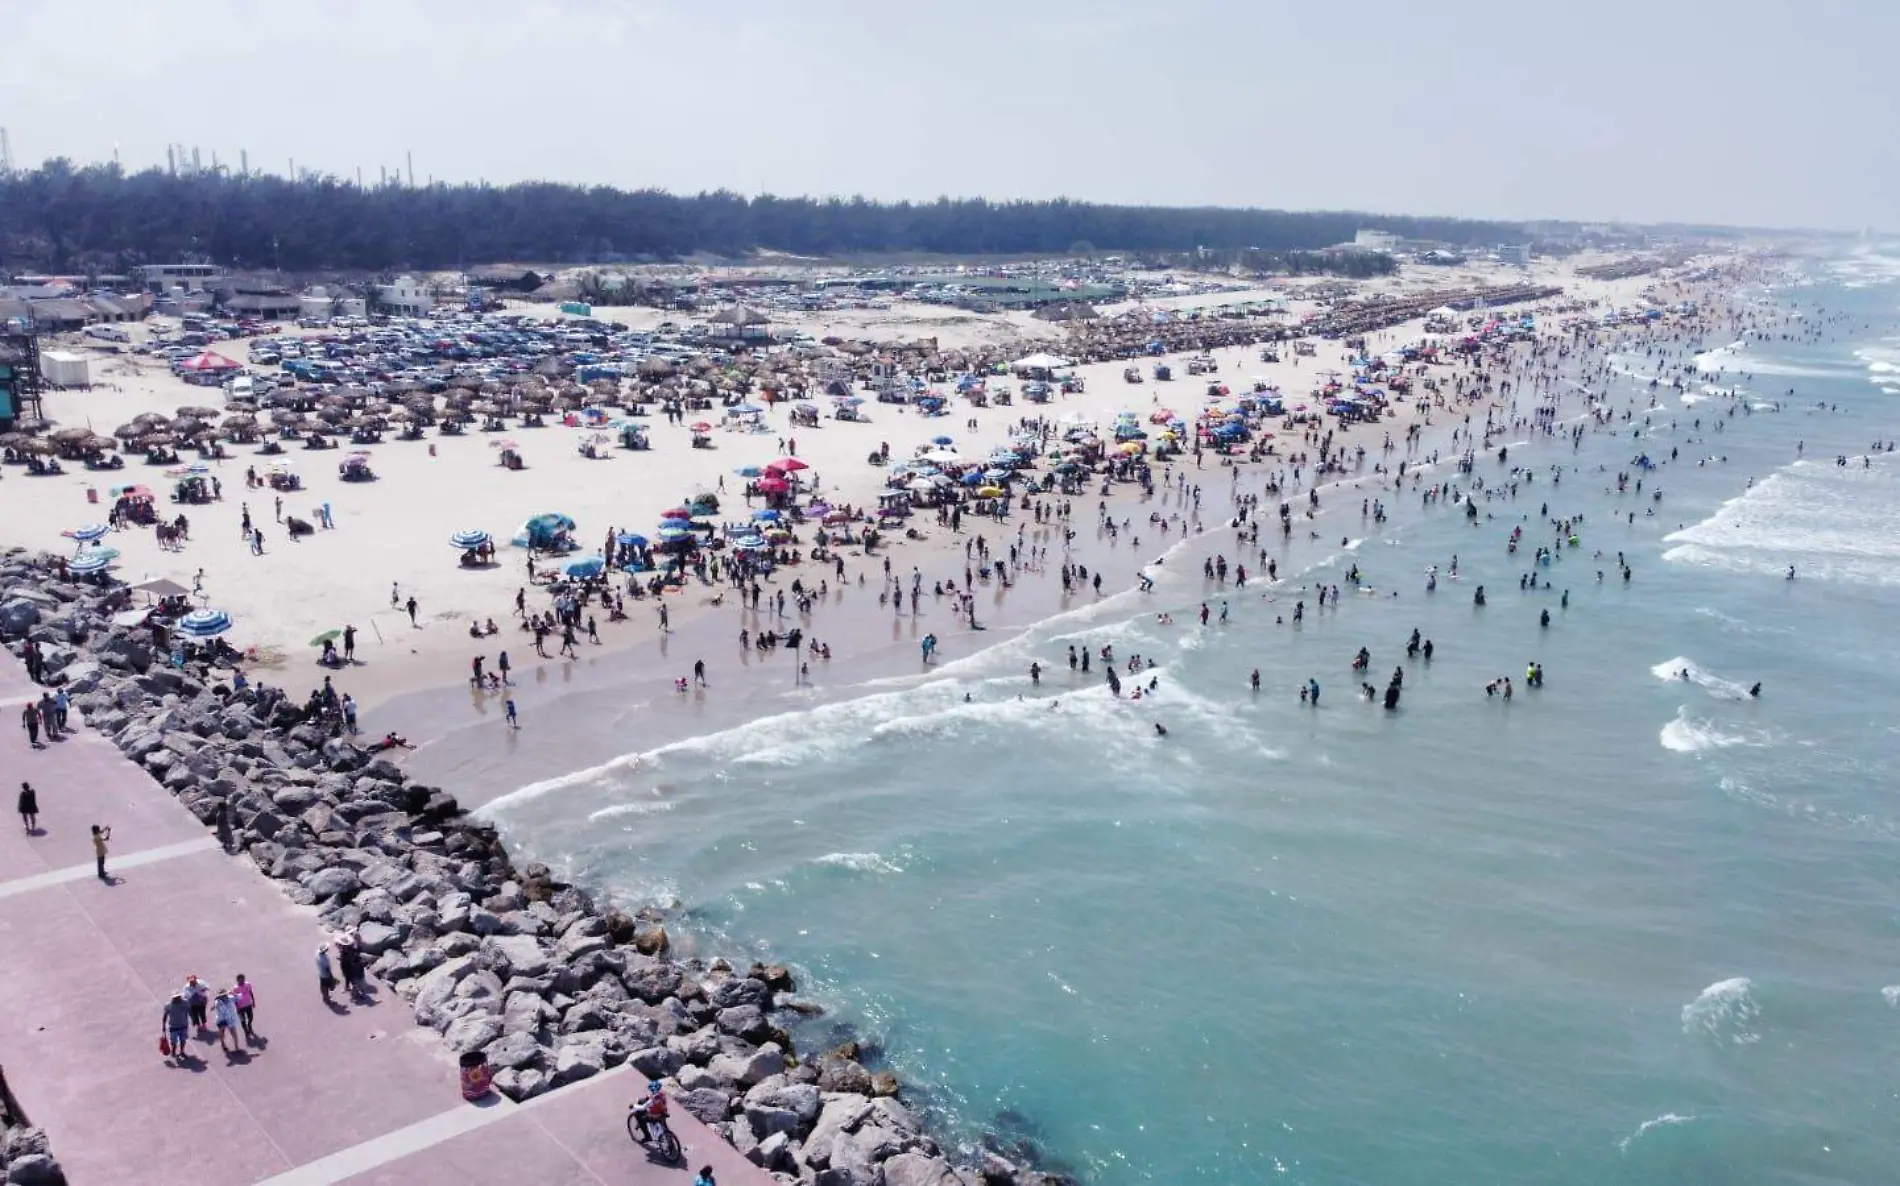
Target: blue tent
x,y
589,567
765,515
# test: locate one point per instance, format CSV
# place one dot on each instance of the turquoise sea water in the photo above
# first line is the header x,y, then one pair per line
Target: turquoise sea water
x,y
1623,928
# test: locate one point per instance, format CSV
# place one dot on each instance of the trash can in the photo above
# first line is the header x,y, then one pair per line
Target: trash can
x,y
477,1077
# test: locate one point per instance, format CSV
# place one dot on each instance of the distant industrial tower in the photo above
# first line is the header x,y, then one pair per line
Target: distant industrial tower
x,y
410,157
244,163
6,154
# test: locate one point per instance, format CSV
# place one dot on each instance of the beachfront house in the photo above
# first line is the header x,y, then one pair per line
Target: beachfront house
x,y
406,297
504,278
164,278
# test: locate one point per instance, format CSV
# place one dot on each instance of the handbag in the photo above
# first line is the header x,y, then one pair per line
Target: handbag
x,y
164,1046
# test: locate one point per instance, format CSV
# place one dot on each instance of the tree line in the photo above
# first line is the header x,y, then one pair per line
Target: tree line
x,y
70,218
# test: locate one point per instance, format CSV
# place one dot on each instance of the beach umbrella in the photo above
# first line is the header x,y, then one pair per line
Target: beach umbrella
x,y
204,623
749,410
472,538
765,515
676,513
773,485
134,491
748,471
702,426
973,478
326,636
92,561
943,456
672,533
788,465
90,531
589,567
628,539
997,475
945,441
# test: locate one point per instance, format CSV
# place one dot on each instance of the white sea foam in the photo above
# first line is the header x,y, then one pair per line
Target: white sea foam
x,y
860,862
1724,1012
1891,994
1831,522
629,809
1683,669
1665,1120
1689,735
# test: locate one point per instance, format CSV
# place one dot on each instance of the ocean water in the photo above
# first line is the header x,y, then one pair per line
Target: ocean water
x,y
1627,927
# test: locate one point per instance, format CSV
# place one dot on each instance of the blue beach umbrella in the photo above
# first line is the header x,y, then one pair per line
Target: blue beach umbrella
x,y
631,539
586,568
204,623
943,440
765,515
749,410
748,471
671,533
749,543
972,478
472,538
92,562
90,531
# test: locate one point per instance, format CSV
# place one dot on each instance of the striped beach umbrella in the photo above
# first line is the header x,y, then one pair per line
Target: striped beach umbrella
x,y
92,562
204,623
470,539
90,531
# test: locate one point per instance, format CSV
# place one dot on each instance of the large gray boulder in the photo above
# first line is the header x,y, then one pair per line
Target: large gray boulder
x,y
914,1169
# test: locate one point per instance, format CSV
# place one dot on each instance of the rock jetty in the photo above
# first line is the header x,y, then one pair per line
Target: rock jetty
x,y
550,986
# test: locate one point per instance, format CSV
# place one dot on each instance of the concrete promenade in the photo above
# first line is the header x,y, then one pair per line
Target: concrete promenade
x,y
348,1093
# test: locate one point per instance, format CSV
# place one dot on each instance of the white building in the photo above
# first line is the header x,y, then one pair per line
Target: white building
x,y
1516,253
408,297
64,369
1375,241
162,278
320,302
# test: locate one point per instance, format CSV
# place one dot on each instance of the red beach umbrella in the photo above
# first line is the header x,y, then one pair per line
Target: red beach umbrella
x,y
788,464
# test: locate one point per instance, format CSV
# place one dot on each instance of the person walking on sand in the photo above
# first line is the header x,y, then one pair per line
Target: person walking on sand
x,y
29,807
501,665
514,719
663,618
326,974
395,594
174,1020
244,996
100,838
410,605
699,672
30,721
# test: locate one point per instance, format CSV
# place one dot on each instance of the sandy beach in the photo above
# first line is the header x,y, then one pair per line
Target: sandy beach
x,y
393,532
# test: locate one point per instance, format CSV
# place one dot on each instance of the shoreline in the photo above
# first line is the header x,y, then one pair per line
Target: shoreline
x,y
861,658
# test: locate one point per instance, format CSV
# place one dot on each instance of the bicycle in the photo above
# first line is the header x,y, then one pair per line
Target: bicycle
x,y
641,1129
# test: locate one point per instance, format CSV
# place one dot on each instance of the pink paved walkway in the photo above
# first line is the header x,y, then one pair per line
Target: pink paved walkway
x,y
358,1094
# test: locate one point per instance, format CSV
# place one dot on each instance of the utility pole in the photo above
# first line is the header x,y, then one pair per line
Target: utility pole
x,y
359,177
194,160
171,161
293,170
244,163
6,154
410,157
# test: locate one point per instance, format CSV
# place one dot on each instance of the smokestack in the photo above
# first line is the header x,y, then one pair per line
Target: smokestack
x,y
244,163
214,160
171,161
410,157
359,177
194,160
382,175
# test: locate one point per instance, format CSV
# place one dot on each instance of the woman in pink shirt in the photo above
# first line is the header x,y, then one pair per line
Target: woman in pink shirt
x,y
246,1000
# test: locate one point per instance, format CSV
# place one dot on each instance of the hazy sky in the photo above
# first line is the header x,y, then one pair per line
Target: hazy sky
x,y
1754,112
